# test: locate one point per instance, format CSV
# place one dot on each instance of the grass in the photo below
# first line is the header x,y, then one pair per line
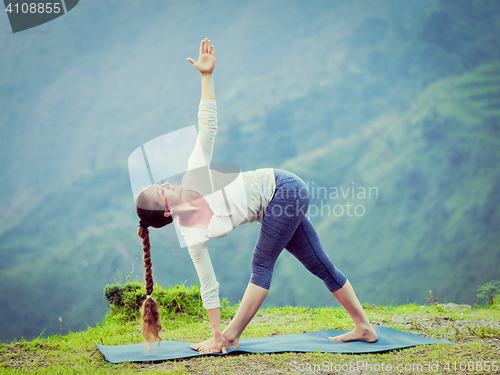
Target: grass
x,y
476,333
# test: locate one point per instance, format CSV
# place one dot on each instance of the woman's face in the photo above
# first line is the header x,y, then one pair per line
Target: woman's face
x,y
165,195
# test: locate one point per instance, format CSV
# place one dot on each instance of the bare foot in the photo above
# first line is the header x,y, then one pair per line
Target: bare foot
x,y
207,346
367,334
230,343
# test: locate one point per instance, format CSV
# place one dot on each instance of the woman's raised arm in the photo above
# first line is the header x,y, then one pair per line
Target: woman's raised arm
x,y
205,65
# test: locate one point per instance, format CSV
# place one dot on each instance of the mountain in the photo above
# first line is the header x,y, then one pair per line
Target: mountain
x,y
431,221
398,96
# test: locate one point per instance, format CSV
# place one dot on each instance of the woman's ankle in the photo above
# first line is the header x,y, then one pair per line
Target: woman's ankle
x,y
230,334
363,326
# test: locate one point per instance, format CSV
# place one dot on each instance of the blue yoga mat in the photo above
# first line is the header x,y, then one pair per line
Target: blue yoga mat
x,y
388,339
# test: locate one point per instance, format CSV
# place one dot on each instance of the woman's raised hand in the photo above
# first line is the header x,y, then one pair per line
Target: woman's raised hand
x,y
206,61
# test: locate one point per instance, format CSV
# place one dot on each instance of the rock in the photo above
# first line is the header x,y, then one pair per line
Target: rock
x,y
454,306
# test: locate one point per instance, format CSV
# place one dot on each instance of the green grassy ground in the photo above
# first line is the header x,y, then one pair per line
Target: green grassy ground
x,y
476,333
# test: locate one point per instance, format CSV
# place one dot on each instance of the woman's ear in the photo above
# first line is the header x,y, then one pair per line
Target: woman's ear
x,y
167,213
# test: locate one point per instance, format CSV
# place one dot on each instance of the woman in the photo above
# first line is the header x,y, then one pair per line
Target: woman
x,y
276,198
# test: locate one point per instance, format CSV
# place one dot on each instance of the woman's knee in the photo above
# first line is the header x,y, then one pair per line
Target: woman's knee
x,y
262,274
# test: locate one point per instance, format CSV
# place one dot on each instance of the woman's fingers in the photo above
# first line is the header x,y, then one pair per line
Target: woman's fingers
x,y
212,52
202,47
206,47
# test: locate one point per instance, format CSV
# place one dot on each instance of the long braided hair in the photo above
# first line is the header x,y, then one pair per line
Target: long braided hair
x,y
151,213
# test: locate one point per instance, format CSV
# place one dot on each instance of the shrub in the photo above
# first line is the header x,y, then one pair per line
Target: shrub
x,y
490,292
126,300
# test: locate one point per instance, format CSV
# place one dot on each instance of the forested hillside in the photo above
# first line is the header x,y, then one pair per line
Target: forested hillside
x,y
432,223
400,97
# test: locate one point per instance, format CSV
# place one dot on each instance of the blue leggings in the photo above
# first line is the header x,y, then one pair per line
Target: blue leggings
x,y
286,226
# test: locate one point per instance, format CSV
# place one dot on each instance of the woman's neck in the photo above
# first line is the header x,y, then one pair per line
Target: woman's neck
x,y
195,213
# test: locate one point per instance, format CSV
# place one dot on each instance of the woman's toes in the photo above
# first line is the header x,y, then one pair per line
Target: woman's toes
x,y
366,335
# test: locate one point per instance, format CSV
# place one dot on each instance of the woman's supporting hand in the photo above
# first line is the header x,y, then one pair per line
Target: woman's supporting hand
x,y
216,344
206,61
